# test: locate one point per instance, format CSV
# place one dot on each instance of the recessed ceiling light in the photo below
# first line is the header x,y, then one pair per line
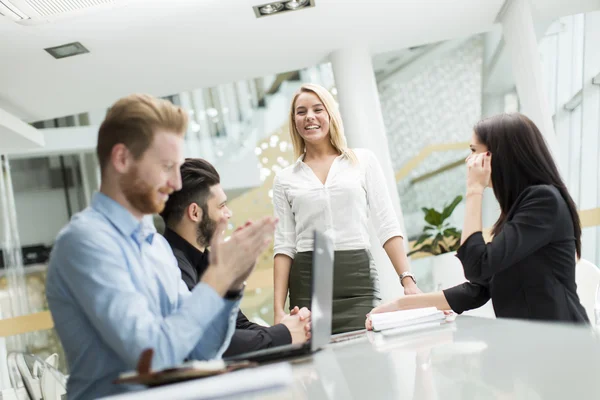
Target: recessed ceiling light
x,y
281,7
67,50
295,4
271,8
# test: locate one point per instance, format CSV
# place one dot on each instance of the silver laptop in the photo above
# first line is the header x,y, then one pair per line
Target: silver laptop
x,y
320,307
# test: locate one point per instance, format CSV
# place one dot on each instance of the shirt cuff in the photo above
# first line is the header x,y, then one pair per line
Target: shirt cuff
x,y
387,235
466,296
205,295
454,296
288,252
280,335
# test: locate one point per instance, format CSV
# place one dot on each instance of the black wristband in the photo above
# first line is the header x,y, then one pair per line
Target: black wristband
x,y
235,295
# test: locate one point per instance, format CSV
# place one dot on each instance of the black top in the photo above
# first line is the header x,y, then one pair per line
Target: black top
x,y
247,336
528,270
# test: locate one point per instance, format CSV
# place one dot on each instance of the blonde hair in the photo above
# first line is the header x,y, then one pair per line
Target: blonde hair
x,y
336,127
134,120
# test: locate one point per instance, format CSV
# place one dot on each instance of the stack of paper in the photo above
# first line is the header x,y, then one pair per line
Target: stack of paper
x,y
405,318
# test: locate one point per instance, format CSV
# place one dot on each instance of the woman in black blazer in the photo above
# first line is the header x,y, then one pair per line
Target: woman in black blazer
x,y
528,269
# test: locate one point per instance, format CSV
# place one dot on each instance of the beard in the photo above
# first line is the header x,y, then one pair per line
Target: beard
x,y
205,229
142,196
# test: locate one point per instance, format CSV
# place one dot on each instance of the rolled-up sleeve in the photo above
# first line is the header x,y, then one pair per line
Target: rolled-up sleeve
x,y
467,296
285,232
381,209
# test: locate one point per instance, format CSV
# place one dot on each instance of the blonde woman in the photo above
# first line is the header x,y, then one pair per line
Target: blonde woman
x,y
335,190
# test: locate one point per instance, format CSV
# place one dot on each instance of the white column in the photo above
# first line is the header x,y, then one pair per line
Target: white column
x,y
202,135
590,136
358,98
521,43
85,181
192,142
16,285
232,103
243,94
224,116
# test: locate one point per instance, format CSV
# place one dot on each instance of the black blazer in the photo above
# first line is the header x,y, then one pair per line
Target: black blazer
x,y
528,270
247,336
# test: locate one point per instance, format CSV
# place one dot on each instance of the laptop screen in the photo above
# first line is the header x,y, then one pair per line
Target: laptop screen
x,y
322,291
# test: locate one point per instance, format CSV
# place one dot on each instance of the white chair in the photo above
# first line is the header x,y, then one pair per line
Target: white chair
x,y
587,277
33,378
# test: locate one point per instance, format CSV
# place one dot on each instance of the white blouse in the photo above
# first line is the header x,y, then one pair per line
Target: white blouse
x,y
340,208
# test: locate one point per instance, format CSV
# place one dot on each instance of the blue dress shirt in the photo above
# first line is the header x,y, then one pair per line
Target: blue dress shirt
x,y
114,290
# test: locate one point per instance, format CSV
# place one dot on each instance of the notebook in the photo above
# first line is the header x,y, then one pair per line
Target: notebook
x,y
183,372
406,318
144,374
244,382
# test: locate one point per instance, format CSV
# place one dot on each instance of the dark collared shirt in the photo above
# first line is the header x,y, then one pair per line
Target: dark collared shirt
x,y
528,269
247,336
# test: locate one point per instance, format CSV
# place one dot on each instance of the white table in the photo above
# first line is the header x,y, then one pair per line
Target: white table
x,y
471,358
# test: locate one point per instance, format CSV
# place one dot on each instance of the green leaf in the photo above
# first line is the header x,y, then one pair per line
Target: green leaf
x,y
455,246
428,228
415,251
422,238
449,209
433,217
442,249
427,248
434,244
452,232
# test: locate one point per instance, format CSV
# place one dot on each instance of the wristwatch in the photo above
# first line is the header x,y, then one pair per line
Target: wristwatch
x,y
235,295
405,274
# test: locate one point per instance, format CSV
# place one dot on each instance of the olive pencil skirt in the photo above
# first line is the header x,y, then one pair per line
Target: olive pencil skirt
x,y
355,287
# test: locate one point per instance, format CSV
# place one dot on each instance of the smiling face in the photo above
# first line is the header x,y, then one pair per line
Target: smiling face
x,y
213,211
147,183
311,118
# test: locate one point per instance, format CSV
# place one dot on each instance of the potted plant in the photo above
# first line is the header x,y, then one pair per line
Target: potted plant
x,y
440,240
438,236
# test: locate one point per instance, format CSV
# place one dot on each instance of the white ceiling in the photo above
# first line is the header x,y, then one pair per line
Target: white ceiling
x,y
167,46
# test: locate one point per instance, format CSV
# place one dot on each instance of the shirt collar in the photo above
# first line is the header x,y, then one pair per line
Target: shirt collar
x,y
300,159
122,219
196,257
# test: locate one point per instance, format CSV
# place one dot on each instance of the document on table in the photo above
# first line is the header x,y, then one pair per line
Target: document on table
x,y
405,318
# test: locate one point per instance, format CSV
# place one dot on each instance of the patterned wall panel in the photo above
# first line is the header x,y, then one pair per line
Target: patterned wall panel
x,y
440,104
